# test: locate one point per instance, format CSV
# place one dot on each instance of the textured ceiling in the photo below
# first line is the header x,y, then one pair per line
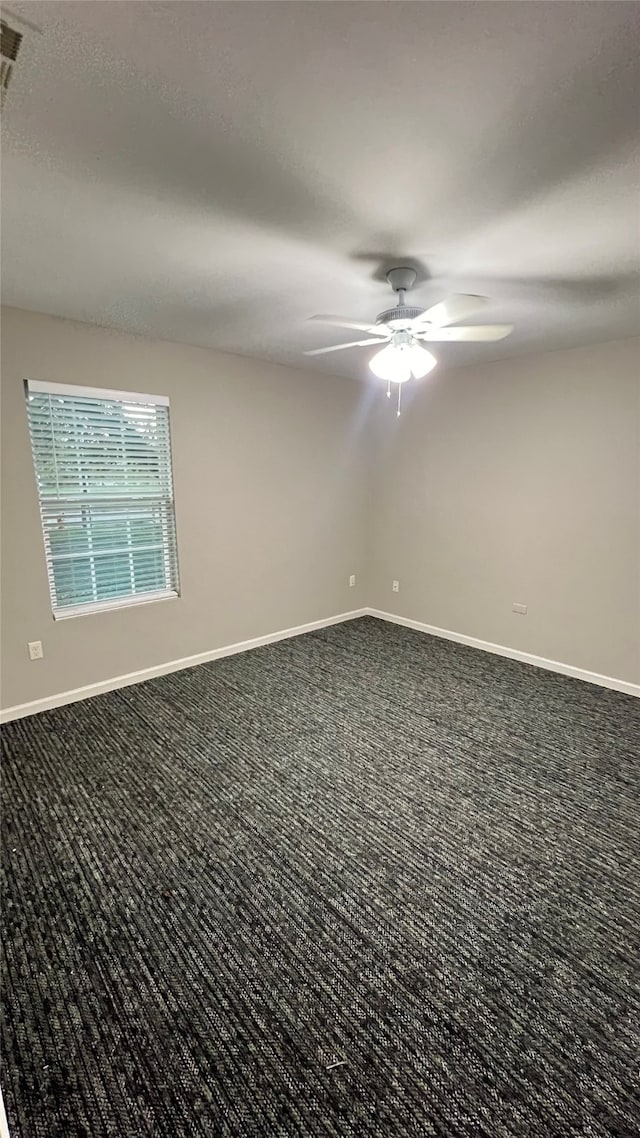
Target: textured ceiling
x,y
215,173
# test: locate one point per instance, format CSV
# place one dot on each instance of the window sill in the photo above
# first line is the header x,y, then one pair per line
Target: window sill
x,y
117,603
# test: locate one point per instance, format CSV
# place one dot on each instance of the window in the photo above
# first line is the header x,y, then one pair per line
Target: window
x,y
103,469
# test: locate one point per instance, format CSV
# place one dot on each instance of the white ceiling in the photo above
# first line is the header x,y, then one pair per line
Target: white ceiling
x,y
215,173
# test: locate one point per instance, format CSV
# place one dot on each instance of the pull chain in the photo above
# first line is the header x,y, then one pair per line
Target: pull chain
x,y
388,389
399,394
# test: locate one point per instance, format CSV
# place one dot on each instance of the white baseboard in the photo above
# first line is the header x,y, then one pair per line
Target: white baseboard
x,y
511,653
23,709
4,1127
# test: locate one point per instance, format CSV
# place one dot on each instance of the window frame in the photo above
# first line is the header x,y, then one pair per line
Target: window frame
x,y
127,600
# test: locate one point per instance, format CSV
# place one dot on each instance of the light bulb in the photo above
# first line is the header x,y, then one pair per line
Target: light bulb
x,y
392,363
397,362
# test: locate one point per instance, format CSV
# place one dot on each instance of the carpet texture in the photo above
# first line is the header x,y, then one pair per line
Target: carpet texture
x,y
359,883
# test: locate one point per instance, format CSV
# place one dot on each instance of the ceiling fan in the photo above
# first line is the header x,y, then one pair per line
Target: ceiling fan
x,y
403,329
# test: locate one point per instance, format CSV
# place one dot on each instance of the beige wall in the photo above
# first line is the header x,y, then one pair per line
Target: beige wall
x,y
514,481
269,483
517,481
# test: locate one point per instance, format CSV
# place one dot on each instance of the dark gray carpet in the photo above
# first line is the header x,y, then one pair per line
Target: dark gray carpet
x,y
361,847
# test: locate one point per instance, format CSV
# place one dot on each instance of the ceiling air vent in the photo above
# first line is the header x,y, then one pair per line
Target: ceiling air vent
x,y
11,41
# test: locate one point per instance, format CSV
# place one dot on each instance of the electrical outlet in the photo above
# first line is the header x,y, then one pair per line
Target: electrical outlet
x,y
522,609
396,586
352,580
35,650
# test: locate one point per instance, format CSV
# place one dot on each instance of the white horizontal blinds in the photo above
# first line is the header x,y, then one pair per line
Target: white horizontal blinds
x,y
103,469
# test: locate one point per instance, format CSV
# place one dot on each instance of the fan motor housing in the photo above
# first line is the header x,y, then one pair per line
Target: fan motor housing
x,y
399,316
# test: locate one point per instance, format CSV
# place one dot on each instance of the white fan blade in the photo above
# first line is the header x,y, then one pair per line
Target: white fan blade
x,y
458,307
339,347
472,333
344,322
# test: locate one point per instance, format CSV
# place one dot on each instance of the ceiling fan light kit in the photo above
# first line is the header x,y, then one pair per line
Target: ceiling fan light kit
x,y
399,332
402,359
